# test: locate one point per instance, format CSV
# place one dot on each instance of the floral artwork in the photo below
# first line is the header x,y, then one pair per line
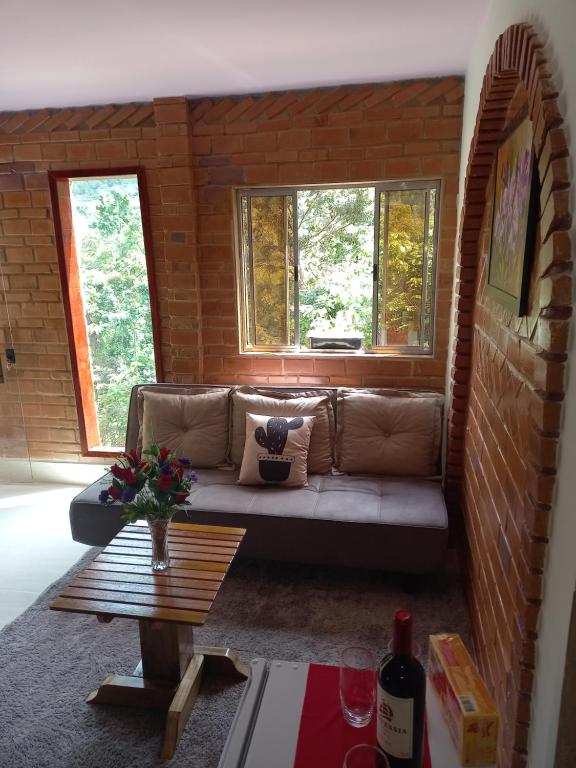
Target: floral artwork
x,y
513,220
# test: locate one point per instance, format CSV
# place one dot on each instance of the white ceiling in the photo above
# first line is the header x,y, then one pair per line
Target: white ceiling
x,y
60,53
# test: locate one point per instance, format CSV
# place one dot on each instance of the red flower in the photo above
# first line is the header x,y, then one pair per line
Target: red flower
x,y
129,477
165,482
115,492
181,498
178,469
118,471
163,455
133,458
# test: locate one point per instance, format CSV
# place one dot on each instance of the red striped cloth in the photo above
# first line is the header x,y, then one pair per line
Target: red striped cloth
x,y
324,736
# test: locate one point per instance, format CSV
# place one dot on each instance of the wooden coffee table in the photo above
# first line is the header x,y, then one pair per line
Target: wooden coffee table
x,y
119,583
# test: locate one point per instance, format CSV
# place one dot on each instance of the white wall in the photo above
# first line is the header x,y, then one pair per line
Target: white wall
x,y
555,22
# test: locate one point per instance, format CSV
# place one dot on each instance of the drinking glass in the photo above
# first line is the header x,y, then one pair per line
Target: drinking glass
x,y
357,685
365,756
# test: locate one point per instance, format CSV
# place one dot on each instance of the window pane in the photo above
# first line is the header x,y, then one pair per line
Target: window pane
x,y
247,271
336,247
405,265
341,233
114,286
429,307
270,293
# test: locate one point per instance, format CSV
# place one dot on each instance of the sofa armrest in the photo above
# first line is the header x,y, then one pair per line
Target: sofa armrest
x,y
91,522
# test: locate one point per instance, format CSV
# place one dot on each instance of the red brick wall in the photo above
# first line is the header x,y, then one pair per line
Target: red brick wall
x,y
347,134
507,380
194,155
153,136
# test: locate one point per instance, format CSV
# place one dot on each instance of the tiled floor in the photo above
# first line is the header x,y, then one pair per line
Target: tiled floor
x,y
36,547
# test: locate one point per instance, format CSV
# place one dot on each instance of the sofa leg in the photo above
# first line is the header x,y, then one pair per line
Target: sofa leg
x,y
412,583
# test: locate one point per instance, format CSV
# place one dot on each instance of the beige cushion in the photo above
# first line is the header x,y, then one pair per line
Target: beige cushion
x,y
193,389
192,425
392,433
276,450
245,400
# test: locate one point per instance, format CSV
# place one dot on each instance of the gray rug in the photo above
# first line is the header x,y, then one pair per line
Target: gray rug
x,y
50,661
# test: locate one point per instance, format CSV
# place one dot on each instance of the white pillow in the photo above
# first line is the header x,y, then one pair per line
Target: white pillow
x,y
276,450
289,405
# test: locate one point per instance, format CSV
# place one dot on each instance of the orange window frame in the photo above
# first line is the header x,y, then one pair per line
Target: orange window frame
x,y
72,295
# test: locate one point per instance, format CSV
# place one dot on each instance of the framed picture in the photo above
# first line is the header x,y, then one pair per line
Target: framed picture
x,y
514,217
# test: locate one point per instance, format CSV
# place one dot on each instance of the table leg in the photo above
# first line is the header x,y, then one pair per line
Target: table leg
x,y
166,652
214,660
181,706
166,649
132,691
168,676
223,661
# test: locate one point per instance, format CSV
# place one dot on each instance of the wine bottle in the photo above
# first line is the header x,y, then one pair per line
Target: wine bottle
x,y
401,698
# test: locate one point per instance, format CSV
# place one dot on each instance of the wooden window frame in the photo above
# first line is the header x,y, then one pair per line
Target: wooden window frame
x,y
72,298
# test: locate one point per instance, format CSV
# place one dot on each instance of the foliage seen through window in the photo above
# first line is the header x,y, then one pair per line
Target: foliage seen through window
x,y
114,283
361,264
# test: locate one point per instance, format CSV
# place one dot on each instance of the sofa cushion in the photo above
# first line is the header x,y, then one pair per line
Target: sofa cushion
x,y
356,499
385,433
276,450
192,425
246,400
394,524
168,389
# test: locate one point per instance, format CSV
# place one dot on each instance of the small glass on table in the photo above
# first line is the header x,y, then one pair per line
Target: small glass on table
x,y
357,685
365,756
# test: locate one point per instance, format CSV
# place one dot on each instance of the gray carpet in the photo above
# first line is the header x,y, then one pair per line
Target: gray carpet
x,y
50,661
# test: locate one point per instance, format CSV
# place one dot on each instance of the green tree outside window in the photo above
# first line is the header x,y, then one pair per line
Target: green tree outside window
x,y
114,281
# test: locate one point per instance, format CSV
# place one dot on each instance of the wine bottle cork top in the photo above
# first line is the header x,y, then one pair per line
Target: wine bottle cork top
x,y
402,634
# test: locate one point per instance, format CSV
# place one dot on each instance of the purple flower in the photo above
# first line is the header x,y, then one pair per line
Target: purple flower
x,y
128,494
166,469
193,477
185,461
103,496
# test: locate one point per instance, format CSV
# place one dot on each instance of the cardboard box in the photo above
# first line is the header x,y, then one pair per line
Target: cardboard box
x,y
468,708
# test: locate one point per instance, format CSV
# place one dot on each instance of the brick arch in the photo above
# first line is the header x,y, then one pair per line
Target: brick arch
x,y
493,351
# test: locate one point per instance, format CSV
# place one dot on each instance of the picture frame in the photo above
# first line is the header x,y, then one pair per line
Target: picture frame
x,y
514,219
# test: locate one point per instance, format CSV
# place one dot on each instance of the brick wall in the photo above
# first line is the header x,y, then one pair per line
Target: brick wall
x,y
508,385
343,135
194,154
154,136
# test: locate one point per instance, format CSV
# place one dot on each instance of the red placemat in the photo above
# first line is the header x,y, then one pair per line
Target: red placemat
x,y
324,736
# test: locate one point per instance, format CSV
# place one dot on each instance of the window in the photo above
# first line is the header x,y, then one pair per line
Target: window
x,y
106,278
338,267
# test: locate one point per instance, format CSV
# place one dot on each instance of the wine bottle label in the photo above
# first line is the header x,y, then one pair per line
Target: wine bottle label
x,y
395,723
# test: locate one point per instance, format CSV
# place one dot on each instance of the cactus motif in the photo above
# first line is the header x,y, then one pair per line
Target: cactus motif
x,y
276,433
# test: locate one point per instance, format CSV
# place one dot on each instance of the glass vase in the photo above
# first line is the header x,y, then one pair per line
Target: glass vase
x,y
159,535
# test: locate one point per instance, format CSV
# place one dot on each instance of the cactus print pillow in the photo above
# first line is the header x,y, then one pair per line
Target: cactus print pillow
x,y
321,440
276,450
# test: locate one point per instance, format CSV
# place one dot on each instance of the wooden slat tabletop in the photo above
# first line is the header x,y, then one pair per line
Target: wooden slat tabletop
x,y
119,582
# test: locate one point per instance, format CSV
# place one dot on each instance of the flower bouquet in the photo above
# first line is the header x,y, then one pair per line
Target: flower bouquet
x,y
150,487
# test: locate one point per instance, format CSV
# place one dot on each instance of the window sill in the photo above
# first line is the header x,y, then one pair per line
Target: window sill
x,y
103,452
339,353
